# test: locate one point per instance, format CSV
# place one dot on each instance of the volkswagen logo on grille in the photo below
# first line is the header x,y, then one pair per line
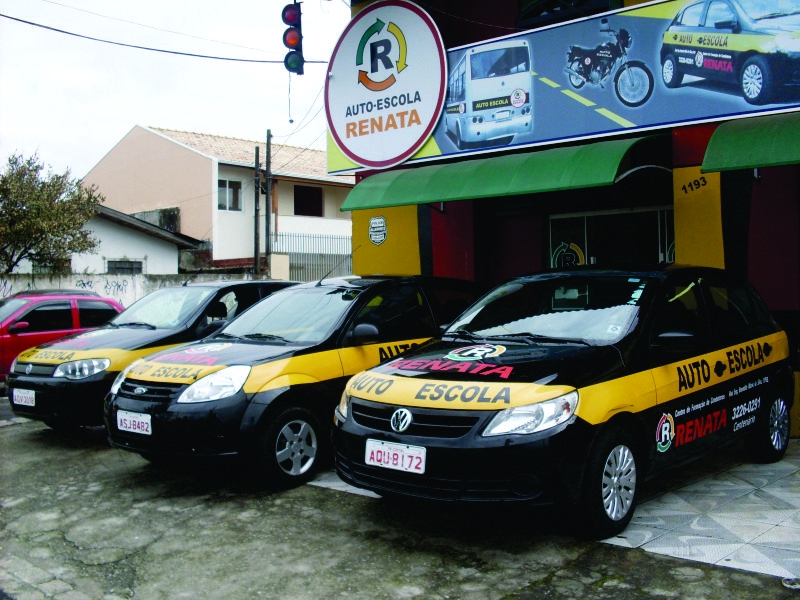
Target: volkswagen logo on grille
x,y
139,390
28,369
401,420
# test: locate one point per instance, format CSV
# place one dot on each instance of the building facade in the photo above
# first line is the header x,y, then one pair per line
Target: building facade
x,y
607,133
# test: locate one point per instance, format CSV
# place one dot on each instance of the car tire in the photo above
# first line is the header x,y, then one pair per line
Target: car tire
x,y
755,80
610,486
770,438
670,74
289,447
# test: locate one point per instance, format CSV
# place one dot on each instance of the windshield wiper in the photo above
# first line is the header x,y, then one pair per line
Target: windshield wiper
x,y
222,334
138,324
532,338
462,334
266,336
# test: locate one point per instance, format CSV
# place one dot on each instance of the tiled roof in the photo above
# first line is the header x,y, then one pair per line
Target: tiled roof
x,y
286,160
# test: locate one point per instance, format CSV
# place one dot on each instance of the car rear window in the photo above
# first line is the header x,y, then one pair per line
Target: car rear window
x,y
93,313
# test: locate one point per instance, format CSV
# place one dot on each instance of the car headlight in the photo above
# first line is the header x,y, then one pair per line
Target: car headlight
x,y
81,369
121,377
533,417
344,405
219,384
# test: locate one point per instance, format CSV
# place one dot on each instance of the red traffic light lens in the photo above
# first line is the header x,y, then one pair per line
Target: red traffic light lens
x,y
291,14
292,38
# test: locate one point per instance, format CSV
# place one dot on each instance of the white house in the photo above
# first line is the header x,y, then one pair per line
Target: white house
x,y
206,186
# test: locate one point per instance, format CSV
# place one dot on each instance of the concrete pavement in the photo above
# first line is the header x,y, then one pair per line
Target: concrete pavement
x,y
83,521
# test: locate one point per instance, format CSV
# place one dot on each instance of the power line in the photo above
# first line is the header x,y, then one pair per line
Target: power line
x,y
196,37
174,52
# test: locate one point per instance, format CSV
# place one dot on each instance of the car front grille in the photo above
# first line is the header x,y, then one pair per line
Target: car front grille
x,y
39,370
150,391
431,423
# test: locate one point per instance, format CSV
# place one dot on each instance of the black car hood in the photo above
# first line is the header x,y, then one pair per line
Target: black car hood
x,y
215,354
118,338
557,363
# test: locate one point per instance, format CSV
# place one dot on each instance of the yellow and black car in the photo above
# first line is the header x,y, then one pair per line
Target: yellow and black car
x,y
752,43
265,386
571,387
64,382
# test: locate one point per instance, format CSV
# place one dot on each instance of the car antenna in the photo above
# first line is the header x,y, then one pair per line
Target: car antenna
x,y
336,266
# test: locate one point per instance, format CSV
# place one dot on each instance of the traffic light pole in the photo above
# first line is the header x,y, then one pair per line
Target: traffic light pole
x,y
256,244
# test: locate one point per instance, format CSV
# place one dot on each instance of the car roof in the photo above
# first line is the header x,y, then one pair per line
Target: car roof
x,y
53,292
660,271
250,282
367,281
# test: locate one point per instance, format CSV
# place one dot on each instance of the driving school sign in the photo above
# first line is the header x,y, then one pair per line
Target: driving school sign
x,y
386,84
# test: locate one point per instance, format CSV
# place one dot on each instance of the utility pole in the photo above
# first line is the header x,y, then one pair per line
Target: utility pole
x,y
256,244
268,207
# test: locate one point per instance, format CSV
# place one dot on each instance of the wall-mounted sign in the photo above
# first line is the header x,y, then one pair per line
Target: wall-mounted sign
x,y
635,69
377,230
386,84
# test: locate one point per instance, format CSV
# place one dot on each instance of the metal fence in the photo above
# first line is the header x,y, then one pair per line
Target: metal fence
x,y
313,256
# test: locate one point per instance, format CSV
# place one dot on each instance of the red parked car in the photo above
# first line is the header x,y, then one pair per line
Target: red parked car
x,y
31,318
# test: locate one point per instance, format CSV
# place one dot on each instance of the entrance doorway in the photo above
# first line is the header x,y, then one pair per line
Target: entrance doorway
x,y
629,238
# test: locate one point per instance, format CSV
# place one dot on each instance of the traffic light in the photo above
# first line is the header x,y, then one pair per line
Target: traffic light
x,y
293,39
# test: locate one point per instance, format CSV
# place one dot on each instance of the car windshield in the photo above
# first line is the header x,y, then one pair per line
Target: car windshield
x,y
168,308
298,316
596,310
9,306
770,9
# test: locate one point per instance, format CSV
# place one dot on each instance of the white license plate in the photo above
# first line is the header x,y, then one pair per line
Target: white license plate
x,y
134,422
23,397
502,114
401,457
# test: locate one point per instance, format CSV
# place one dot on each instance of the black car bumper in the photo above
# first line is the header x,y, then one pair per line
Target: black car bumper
x,y
204,429
60,400
540,468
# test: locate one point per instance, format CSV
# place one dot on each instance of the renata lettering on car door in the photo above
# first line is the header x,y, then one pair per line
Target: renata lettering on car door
x,y
717,394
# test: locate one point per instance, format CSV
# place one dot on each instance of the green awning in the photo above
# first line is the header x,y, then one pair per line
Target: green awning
x,y
751,142
565,168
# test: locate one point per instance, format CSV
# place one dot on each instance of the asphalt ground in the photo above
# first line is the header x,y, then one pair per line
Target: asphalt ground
x,y
81,520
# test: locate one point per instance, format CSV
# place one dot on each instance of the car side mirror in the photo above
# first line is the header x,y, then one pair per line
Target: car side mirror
x,y
731,24
18,327
365,331
675,341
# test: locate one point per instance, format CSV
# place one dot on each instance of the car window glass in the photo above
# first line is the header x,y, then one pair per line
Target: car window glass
x,y
8,306
447,302
231,303
306,315
734,311
597,310
717,12
691,16
168,307
679,310
399,313
48,317
93,313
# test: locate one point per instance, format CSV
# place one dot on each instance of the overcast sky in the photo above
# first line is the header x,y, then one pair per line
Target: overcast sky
x,y
69,99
